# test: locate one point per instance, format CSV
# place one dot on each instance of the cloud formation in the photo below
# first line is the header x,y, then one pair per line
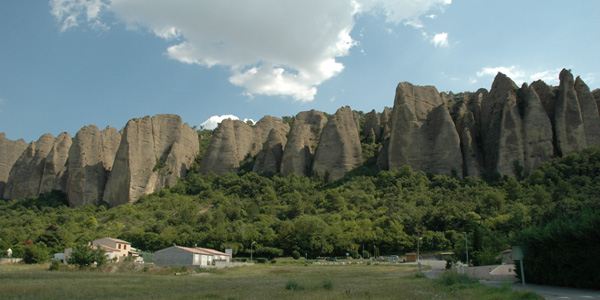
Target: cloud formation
x,y
520,76
214,121
440,39
284,48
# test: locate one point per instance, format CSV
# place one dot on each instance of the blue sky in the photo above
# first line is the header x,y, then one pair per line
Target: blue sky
x,y
65,64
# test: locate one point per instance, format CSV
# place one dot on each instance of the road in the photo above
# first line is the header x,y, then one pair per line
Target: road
x,y
548,292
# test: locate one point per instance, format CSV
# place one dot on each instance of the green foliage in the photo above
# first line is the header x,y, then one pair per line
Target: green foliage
x,y
296,254
55,266
293,285
84,256
305,216
261,260
563,252
36,253
452,278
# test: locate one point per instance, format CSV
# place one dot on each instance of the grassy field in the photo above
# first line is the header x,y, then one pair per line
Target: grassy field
x,y
269,281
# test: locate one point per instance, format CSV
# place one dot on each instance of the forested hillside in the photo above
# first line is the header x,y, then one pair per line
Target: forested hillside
x,y
282,215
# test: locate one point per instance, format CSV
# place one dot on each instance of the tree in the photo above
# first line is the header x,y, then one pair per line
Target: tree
x,y
85,256
36,253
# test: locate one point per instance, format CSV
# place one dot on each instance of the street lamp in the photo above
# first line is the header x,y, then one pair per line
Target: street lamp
x,y
251,251
467,247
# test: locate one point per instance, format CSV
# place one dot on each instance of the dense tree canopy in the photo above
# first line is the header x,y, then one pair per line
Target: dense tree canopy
x,y
368,208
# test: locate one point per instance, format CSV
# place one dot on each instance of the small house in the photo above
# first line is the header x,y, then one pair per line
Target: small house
x,y
184,256
411,257
114,249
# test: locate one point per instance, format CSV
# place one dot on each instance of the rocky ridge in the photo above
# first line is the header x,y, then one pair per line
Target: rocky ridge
x,y
95,166
508,130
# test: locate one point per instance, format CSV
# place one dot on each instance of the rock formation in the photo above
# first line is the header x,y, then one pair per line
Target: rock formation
x,y
54,176
536,128
423,134
568,121
339,148
302,142
589,112
90,160
10,151
506,131
235,141
372,129
269,158
40,168
153,154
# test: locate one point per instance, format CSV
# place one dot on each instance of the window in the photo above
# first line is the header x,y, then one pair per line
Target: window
x,y
124,247
118,246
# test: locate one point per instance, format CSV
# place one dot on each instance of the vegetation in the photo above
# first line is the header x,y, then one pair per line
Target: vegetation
x,y
264,281
563,252
369,211
85,256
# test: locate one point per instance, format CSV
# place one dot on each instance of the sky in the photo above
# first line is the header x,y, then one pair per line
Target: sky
x,y
66,64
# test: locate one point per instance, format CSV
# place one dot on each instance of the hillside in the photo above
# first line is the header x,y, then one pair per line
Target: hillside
x,y
386,209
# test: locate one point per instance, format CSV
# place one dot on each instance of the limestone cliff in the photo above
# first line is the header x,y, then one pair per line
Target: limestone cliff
x,y
339,148
90,160
268,159
423,134
153,153
568,120
235,141
372,128
10,151
40,168
302,143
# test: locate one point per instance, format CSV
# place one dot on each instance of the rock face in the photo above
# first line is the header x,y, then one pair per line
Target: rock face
x,y
423,134
153,154
90,160
536,128
302,143
54,176
235,141
589,112
506,131
40,168
339,149
569,128
269,158
372,129
10,151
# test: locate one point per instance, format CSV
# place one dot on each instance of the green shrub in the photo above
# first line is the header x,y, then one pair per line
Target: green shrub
x,y
55,265
562,252
261,260
273,261
451,278
293,285
296,254
84,256
328,285
36,253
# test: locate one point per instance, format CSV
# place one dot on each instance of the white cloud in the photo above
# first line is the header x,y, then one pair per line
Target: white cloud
x,y
71,13
520,76
440,39
214,121
284,48
403,11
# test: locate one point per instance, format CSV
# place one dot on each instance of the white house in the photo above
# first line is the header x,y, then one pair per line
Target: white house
x,y
184,256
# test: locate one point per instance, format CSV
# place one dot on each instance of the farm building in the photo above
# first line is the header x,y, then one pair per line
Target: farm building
x,y
184,256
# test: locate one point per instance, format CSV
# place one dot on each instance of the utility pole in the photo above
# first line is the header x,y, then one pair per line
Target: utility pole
x,y
467,248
